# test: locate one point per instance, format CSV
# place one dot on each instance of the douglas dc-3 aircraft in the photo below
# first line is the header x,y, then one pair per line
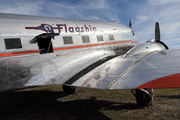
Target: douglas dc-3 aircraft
x,y
38,51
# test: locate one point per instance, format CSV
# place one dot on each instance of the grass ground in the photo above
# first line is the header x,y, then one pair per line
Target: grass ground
x,y
50,102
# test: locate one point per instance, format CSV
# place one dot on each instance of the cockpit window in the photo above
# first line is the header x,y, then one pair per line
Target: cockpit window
x,y
12,43
132,32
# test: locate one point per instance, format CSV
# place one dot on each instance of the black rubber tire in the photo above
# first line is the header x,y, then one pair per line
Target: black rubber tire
x,y
69,89
142,98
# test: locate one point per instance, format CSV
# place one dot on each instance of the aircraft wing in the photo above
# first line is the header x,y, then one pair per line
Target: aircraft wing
x,y
145,66
155,69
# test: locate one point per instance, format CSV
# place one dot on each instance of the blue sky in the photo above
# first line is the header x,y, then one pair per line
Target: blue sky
x,y
144,14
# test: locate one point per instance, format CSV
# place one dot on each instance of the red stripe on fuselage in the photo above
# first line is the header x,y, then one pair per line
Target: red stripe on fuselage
x,y
171,81
63,48
19,53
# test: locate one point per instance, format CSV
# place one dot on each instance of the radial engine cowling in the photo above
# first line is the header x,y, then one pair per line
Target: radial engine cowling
x,y
145,47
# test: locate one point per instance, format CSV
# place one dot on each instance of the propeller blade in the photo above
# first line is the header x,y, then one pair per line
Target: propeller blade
x,y
157,32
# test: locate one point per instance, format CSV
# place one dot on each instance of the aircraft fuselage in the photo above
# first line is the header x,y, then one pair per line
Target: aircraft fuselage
x,y
38,51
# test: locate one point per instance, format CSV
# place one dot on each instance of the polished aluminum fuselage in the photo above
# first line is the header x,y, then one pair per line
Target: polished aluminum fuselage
x,y
27,67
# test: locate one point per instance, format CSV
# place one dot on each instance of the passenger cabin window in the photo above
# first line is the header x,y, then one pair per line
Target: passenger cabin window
x,y
85,39
111,37
99,38
67,40
12,43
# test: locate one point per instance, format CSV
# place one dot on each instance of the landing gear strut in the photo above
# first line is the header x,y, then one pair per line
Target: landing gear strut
x,y
69,89
144,97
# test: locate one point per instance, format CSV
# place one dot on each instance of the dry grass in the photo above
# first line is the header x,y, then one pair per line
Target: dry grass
x,y
50,102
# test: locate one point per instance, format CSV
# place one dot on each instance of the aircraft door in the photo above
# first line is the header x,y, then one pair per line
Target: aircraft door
x,y
44,42
45,45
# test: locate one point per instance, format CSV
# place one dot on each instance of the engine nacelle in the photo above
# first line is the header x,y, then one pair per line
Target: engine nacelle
x,y
145,47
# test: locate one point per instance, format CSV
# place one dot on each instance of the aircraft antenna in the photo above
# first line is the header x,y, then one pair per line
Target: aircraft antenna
x,y
116,21
76,17
96,18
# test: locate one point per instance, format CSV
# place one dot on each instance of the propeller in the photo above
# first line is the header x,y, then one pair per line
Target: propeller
x,y
157,35
157,32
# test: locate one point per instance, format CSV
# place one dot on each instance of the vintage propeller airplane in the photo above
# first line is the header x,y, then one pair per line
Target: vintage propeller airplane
x,y
38,51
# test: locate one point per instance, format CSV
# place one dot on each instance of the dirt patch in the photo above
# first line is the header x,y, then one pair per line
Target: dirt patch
x,y
50,102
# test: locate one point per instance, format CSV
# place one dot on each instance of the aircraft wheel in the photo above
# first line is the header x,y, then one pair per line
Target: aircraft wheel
x,y
144,96
69,89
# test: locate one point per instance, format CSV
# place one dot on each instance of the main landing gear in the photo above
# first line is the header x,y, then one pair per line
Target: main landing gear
x,y
69,89
144,97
